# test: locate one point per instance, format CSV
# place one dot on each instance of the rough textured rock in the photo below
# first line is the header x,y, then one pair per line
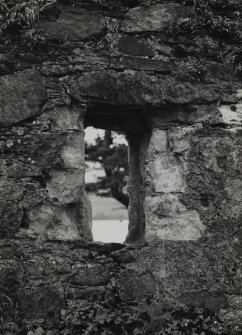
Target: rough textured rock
x,y
140,89
44,302
134,47
22,96
154,18
132,67
74,25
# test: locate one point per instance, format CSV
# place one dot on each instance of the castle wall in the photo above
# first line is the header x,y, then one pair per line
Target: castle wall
x,y
130,67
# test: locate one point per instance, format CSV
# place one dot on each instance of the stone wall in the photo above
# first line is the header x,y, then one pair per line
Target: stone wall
x,y
42,163
121,66
189,172
193,220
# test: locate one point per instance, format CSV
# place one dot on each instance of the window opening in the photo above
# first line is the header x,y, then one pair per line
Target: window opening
x,y
106,179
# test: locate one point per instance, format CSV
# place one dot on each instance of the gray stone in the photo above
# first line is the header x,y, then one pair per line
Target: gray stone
x,y
39,331
44,302
22,96
132,286
133,46
231,317
231,114
72,152
144,64
140,89
16,197
85,225
74,25
54,221
92,275
154,18
205,300
166,175
183,226
235,302
107,65
65,186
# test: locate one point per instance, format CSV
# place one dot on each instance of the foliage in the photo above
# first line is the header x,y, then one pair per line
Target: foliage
x,y
22,18
196,68
132,320
218,18
195,321
5,302
221,21
102,319
103,4
8,301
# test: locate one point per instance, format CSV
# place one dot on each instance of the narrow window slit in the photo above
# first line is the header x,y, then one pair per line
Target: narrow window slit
x,y
106,179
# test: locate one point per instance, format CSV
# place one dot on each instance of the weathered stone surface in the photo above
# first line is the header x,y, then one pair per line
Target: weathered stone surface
x,y
134,47
232,317
44,302
54,221
65,186
205,300
17,196
132,286
87,293
140,89
74,25
231,114
72,152
66,281
22,96
198,266
85,224
91,276
154,18
144,64
166,174
235,302
168,214
32,148
168,223
64,118
116,65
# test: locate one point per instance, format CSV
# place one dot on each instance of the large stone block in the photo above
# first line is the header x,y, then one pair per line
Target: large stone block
x,y
53,221
210,264
231,114
134,47
65,186
165,175
168,219
72,152
134,286
92,275
16,197
34,146
63,118
43,302
154,18
74,25
42,167
192,180
138,88
203,299
22,96
144,64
